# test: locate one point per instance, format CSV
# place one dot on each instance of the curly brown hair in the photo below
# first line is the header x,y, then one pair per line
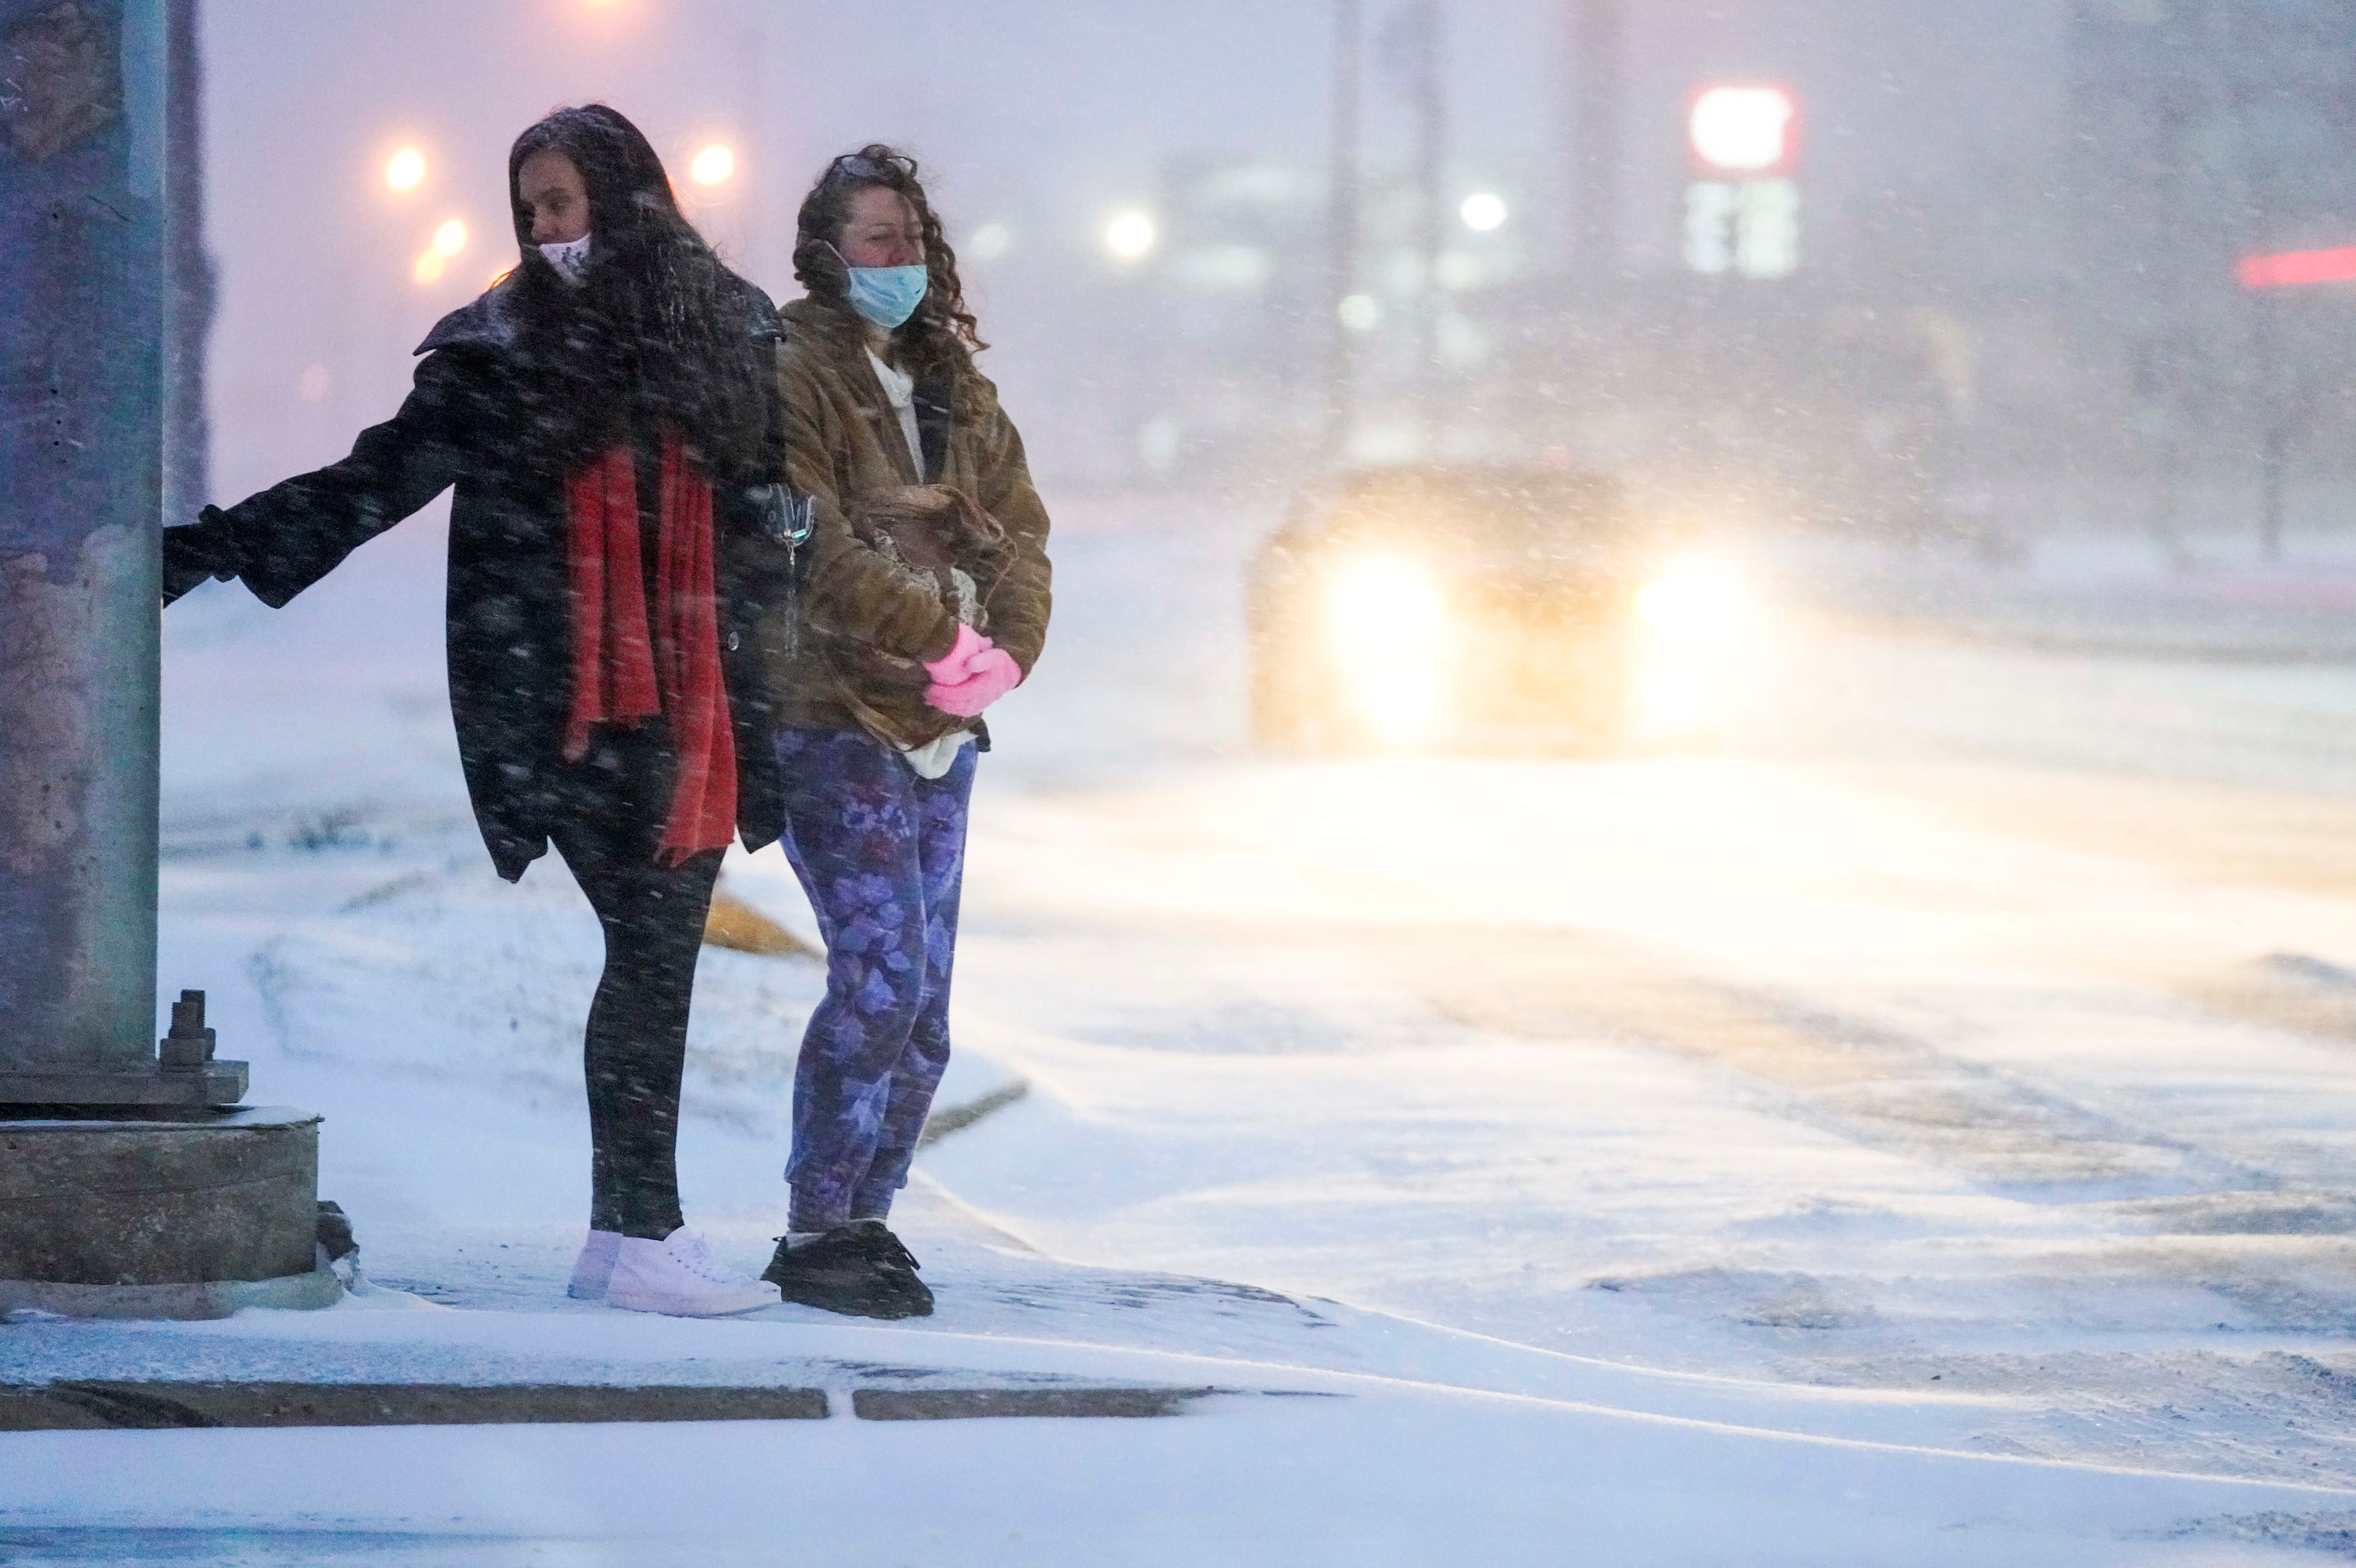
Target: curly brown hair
x,y
943,330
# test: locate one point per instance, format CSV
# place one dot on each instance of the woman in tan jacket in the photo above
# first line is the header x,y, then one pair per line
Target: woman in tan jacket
x,y
925,600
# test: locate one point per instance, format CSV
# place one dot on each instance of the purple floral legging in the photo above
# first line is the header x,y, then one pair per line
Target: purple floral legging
x,y
880,853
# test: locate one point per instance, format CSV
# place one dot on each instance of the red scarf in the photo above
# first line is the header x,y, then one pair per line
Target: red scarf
x,y
624,673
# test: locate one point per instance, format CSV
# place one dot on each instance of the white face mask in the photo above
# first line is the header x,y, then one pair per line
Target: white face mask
x,y
571,259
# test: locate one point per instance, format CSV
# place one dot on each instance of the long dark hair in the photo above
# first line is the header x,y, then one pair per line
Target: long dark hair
x,y
943,331
659,328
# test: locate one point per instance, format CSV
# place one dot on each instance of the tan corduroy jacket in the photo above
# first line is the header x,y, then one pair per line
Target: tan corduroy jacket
x,y
844,441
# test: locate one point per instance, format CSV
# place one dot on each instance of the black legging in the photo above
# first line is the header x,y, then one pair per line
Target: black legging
x,y
636,1041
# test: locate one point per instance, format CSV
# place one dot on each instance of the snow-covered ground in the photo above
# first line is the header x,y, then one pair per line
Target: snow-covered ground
x,y
1923,1132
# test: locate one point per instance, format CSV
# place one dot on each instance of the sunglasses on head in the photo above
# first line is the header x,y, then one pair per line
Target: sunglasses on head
x,y
858,166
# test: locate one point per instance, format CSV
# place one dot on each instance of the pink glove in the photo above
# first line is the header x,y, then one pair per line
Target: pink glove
x,y
958,663
995,674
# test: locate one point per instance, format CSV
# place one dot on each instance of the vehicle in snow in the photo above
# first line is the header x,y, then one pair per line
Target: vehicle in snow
x,y
1483,607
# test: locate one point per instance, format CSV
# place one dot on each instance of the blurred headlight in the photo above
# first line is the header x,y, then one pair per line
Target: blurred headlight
x,y
1694,602
1388,624
1673,702
1378,606
1693,615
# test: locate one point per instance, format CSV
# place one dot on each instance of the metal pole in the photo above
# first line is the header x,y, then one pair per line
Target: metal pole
x,y
2179,257
1342,228
1599,113
82,155
2274,434
180,1209
191,285
2237,38
1430,110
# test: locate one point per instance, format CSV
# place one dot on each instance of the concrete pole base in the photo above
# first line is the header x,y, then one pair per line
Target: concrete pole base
x,y
160,1212
214,1299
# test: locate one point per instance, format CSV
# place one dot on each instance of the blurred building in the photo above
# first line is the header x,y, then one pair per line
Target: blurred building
x,y
2202,133
1918,343
2014,306
2012,295
1231,383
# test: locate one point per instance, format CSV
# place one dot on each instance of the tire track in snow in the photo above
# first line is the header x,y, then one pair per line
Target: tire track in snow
x,y
1858,1079
2293,991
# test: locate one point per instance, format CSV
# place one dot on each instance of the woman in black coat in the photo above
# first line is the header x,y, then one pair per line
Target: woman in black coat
x,y
607,414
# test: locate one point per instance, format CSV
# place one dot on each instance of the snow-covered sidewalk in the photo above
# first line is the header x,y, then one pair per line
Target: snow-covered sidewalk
x,y
1311,1433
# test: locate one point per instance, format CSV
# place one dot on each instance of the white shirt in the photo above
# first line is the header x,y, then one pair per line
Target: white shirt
x,y
930,761
900,391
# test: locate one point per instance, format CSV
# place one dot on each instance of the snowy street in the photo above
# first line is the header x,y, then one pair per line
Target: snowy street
x,y
1876,1056
1920,1132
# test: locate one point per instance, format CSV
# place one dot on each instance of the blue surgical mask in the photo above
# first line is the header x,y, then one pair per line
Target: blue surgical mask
x,y
888,295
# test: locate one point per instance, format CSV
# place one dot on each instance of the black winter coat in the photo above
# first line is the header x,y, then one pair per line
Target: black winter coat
x,y
509,616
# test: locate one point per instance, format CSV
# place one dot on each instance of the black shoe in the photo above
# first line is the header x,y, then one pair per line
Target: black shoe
x,y
859,1269
887,1248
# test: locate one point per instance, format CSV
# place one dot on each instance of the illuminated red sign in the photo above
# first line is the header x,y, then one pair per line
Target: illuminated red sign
x,y
1743,129
2291,269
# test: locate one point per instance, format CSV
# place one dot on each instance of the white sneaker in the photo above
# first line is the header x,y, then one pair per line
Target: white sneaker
x,y
679,1276
595,1267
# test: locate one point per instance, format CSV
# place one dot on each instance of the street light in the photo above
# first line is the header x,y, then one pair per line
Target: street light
x,y
405,170
448,241
1484,210
1130,235
714,165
